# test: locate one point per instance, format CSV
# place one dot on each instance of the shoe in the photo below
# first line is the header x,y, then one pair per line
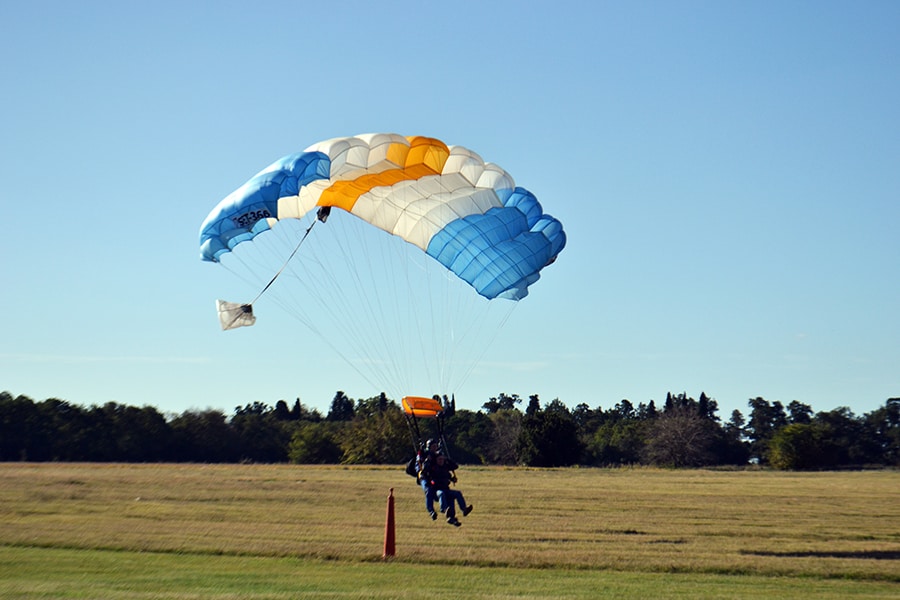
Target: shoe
x,y
454,521
467,510
433,515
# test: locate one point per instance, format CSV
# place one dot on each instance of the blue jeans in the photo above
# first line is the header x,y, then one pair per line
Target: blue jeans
x,y
429,497
447,497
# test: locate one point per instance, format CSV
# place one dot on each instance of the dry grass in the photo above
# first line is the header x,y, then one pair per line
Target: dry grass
x,y
816,525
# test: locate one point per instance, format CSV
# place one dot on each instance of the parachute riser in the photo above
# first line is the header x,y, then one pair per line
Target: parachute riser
x,y
413,425
418,443
444,445
416,407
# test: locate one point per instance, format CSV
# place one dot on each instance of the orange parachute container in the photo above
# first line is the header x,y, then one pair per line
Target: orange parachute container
x,y
422,408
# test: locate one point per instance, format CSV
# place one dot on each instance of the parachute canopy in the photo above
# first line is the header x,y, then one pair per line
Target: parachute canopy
x,y
419,407
463,212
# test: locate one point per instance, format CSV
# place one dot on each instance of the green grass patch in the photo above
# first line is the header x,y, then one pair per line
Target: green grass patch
x,y
120,575
260,531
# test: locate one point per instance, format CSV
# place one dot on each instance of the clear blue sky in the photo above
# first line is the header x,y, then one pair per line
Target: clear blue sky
x,y
728,174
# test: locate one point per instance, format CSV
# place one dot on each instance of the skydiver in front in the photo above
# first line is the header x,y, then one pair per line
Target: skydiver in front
x,y
438,472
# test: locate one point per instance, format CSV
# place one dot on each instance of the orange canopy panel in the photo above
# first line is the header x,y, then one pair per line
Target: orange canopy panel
x,y
422,407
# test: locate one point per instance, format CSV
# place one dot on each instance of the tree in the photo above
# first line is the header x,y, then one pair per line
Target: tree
x,y
625,410
132,434
507,425
205,437
735,425
19,426
587,418
373,406
549,437
64,431
647,411
686,432
315,443
469,436
845,439
799,412
282,412
883,426
731,449
378,437
148,433
501,402
101,444
765,420
261,436
299,412
681,437
341,408
617,436
798,446
707,407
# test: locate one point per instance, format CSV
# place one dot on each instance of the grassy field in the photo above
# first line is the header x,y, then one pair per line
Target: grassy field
x,y
258,531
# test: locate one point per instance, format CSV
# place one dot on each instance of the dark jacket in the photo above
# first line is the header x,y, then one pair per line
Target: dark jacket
x,y
439,476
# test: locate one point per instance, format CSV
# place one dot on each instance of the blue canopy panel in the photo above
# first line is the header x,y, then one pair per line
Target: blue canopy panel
x,y
500,253
245,213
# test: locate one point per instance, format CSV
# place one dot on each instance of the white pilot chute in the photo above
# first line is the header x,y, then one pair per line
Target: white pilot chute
x,y
233,315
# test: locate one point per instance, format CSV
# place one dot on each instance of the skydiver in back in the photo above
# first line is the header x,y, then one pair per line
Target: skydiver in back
x,y
422,458
438,472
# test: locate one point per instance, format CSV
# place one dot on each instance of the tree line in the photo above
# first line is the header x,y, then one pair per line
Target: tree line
x,y
683,432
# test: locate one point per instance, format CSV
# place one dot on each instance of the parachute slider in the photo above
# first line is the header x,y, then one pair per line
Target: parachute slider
x,y
422,407
233,315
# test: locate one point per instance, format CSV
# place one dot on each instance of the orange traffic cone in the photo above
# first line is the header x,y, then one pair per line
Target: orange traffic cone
x,y
389,547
